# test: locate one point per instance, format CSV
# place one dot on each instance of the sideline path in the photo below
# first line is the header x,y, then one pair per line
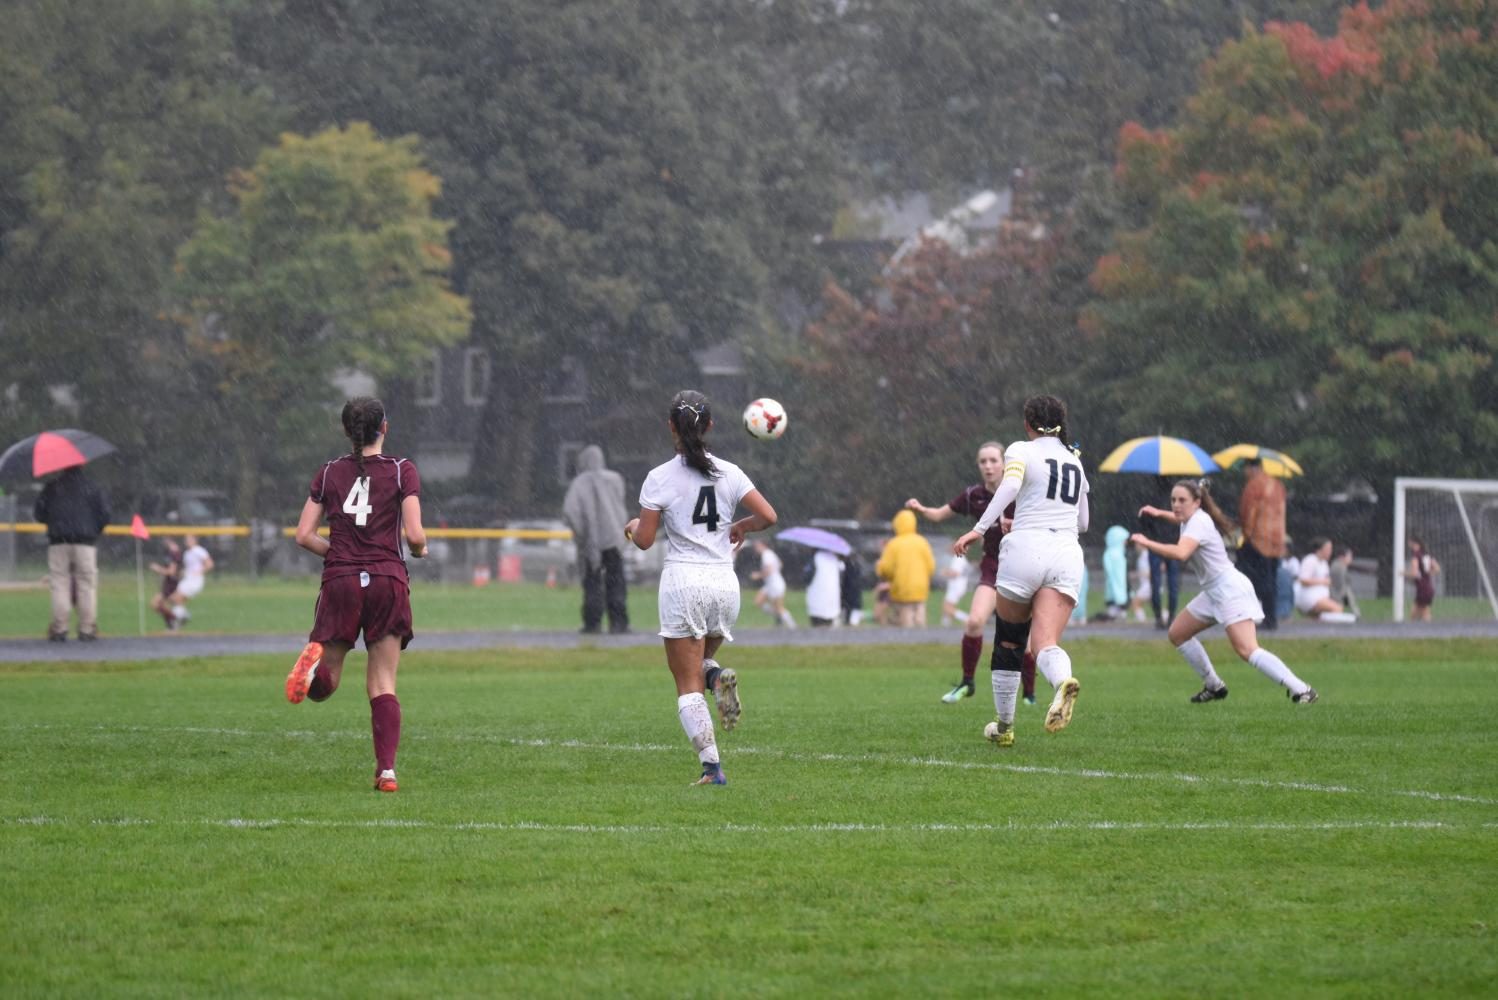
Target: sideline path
x,y
183,646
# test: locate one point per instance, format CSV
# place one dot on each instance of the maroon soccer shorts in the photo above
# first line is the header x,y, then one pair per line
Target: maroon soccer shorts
x,y
988,571
346,606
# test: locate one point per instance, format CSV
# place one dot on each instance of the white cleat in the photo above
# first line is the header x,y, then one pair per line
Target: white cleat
x,y
1059,714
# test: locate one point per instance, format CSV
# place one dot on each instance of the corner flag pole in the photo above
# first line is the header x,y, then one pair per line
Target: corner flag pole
x,y
139,531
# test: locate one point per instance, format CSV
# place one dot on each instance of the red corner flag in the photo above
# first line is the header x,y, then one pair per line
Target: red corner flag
x,y
138,528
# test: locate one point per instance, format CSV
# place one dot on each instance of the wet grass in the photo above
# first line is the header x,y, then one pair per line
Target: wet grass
x,y
237,605
175,828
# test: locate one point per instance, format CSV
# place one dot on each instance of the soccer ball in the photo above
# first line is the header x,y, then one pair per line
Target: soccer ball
x,y
991,731
764,419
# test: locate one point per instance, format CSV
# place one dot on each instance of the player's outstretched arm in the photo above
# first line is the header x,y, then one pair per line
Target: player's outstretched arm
x,y
416,535
929,513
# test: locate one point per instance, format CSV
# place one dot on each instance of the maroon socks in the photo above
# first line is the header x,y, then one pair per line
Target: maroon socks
x,y
1027,674
321,688
385,722
972,651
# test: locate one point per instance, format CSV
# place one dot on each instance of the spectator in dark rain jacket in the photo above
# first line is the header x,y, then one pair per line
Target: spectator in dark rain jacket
x,y
75,512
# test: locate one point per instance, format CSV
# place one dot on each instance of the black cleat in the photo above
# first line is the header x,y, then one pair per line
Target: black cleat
x,y
1207,694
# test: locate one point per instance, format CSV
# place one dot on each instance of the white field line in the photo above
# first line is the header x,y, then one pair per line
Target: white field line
x,y
630,829
834,758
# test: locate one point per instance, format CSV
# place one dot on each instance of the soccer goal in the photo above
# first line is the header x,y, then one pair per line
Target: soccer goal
x,y
1457,519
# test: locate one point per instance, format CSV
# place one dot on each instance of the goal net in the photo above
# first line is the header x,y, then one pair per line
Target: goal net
x,y
1457,520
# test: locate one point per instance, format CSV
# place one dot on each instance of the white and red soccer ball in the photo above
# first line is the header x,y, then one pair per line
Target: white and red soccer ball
x,y
764,419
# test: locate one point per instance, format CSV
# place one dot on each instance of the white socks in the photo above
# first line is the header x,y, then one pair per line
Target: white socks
x,y
960,615
1274,668
1194,653
698,723
1005,694
787,620
1054,664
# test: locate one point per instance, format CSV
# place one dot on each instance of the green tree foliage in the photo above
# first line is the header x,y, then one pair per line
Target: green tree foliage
x,y
625,179
1311,260
904,384
331,260
117,121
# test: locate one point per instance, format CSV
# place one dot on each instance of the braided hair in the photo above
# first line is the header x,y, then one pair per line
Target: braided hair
x,y
1201,490
362,419
690,417
1047,415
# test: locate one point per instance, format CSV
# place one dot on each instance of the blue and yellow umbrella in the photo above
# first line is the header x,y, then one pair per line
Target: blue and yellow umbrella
x,y
1160,456
1276,463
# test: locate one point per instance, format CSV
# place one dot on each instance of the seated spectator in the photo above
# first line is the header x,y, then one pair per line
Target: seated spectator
x,y
1313,595
1341,586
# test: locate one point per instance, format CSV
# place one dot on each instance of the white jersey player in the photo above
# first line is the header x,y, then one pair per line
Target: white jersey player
x,y
1040,563
692,498
196,564
1227,597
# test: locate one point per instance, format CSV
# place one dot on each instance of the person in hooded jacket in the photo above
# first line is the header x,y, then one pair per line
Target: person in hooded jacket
x,y
594,509
1115,573
907,563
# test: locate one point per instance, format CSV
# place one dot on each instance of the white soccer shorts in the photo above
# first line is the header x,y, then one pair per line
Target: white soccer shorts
x,y
698,600
1229,600
1036,558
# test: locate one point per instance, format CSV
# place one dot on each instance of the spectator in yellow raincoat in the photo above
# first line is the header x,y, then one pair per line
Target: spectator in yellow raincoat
x,y
907,563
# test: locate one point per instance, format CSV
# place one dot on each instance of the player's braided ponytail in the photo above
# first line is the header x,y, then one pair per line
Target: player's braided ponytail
x,y
362,417
690,416
1047,415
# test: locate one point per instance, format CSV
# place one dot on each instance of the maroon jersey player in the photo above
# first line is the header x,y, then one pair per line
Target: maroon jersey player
x,y
373,505
972,502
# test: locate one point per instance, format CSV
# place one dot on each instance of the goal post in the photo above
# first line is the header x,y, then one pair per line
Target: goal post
x,y
1457,519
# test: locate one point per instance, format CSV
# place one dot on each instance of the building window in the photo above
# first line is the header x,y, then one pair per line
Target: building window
x,y
429,380
475,376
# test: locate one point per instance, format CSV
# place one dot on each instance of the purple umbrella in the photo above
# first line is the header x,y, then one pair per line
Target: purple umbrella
x,y
817,538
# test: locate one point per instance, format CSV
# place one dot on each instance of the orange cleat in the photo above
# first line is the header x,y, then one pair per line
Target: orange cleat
x,y
300,678
386,781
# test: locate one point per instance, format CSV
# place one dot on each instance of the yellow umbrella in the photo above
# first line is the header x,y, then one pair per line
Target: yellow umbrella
x,y
1276,463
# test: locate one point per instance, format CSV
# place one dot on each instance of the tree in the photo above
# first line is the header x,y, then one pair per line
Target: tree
x,y
1311,259
331,261
117,123
905,383
623,181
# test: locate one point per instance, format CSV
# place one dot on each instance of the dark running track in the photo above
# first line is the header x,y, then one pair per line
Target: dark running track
x,y
186,645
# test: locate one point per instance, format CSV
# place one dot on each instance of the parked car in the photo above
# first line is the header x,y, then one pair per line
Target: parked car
x,y
180,506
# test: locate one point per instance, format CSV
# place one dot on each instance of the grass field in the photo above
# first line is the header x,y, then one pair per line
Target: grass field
x,y
175,828
238,605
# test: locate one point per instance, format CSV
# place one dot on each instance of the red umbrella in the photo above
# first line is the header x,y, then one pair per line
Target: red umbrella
x,y
51,451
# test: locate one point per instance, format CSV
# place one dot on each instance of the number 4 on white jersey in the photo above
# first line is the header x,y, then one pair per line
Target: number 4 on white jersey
x,y
357,502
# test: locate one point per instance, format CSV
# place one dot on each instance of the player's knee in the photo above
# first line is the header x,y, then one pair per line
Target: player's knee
x,y
1014,634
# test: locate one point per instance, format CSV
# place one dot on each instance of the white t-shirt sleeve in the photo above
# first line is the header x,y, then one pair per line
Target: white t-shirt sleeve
x,y
739,485
655,493
1199,526
1009,486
